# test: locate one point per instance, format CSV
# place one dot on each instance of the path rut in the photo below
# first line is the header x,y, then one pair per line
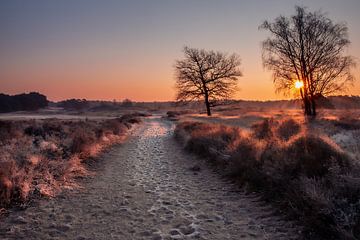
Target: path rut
x,y
146,190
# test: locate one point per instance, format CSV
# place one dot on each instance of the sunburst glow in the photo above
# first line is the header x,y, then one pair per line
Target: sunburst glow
x,y
299,84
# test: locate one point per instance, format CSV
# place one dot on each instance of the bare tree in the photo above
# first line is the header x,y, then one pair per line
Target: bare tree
x,y
206,75
306,51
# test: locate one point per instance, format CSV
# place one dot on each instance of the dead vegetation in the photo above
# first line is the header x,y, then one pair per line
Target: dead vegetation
x,y
292,164
39,157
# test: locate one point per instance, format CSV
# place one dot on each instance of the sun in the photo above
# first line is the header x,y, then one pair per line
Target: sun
x,y
299,84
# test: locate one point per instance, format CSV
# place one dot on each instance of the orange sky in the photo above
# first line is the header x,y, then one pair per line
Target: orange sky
x,y
127,50
148,81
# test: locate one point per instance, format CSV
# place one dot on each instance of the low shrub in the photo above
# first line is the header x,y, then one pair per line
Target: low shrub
x,y
214,147
314,156
81,139
288,128
132,118
175,115
244,162
34,131
348,123
263,130
118,126
172,114
8,130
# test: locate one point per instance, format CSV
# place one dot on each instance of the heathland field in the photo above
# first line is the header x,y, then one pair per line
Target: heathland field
x,y
277,175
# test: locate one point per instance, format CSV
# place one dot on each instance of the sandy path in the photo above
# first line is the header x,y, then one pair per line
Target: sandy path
x,y
145,190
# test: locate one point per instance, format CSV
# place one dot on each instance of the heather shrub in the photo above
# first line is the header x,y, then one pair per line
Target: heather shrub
x,y
244,162
81,139
131,118
295,166
221,137
35,131
315,155
189,127
183,130
7,170
263,129
274,165
348,123
51,127
116,126
172,114
40,157
288,128
8,131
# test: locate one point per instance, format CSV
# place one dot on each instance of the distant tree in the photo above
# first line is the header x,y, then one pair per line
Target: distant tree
x,y
74,104
307,49
127,103
206,75
22,102
323,102
31,101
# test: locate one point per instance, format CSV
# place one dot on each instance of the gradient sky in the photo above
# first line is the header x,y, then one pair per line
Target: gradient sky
x,y
113,49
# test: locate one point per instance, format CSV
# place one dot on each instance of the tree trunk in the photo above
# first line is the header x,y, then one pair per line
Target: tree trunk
x,y
309,106
208,111
313,107
305,106
207,104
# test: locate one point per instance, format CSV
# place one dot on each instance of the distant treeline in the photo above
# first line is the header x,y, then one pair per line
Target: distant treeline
x,y
83,104
348,102
22,102
34,101
74,104
331,102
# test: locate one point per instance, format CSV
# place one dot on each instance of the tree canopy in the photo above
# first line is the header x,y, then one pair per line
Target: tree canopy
x,y
22,102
